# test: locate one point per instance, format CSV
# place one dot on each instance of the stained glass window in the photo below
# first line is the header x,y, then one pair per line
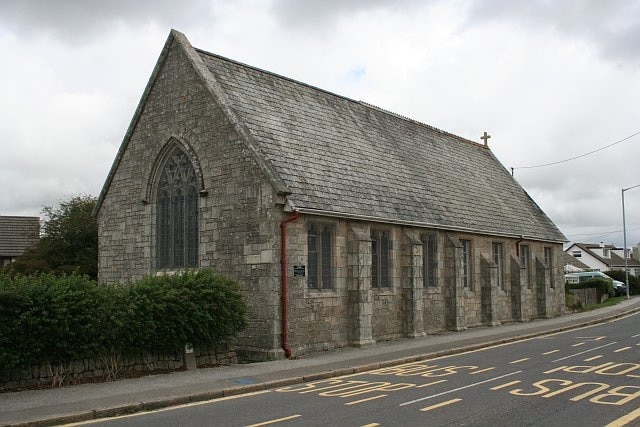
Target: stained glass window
x,y
177,213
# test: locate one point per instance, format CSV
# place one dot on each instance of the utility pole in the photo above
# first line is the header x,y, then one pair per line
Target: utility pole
x,y
624,234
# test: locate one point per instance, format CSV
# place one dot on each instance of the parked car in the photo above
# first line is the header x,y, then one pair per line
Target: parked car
x,y
619,288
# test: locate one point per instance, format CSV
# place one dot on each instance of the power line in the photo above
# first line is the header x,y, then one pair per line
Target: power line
x,y
577,157
601,233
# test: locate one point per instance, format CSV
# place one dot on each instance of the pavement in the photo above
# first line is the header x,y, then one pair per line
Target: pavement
x,y
93,401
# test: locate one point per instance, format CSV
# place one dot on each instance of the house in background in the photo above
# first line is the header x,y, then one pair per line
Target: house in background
x,y
343,223
17,233
602,257
572,264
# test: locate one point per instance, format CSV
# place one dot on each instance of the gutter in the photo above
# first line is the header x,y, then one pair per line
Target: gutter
x,y
283,288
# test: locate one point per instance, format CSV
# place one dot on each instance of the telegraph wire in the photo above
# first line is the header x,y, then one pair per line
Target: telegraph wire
x,y
576,157
601,233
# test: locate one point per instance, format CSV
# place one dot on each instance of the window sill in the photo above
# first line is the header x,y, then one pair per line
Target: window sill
x,y
320,293
383,291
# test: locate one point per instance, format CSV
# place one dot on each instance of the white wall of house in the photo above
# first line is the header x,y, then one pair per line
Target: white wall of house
x,y
587,258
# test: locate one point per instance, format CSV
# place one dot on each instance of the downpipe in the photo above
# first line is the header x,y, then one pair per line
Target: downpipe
x,y
283,276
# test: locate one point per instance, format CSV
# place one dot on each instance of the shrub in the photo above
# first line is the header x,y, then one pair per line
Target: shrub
x,y
47,319
634,282
603,286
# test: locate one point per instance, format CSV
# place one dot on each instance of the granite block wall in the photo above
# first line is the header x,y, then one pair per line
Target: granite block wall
x,y
239,217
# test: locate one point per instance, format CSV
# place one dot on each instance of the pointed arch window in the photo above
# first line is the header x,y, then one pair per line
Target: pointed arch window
x,y
177,213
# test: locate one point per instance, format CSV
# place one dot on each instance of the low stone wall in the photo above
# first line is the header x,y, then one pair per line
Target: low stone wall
x,y
109,368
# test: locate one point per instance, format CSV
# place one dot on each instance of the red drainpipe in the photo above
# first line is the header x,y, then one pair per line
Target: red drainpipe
x,y
283,272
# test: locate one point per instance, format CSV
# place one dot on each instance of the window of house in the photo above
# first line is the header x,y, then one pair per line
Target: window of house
x,y
524,259
380,248
177,213
466,265
606,252
429,259
576,254
498,259
319,257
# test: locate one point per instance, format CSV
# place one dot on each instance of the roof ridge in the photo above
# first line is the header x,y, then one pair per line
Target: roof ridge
x,y
419,123
328,92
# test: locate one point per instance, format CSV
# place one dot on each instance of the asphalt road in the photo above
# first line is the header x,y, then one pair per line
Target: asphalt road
x,y
586,377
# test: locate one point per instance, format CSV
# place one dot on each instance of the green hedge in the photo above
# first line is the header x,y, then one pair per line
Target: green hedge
x,y
58,319
603,286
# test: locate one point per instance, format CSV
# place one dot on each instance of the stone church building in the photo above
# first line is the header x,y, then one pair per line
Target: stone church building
x,y
345,224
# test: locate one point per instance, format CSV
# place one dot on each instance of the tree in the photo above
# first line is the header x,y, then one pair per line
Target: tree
x,y
68,243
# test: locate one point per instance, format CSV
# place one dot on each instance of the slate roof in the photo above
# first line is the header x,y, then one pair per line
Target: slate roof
x,y
337,155
332,155
614,261
17,233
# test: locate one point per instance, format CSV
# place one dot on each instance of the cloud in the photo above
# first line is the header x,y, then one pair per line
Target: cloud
x,y
612,26
323,15
81,21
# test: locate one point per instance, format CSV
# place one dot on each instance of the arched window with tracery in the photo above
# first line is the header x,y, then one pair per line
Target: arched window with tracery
x,y
177,213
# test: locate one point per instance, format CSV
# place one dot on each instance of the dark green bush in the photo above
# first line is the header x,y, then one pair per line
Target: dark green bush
x,y
634,282
57,319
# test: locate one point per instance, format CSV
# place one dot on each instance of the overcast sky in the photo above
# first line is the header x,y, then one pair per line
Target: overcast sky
x,y
549,80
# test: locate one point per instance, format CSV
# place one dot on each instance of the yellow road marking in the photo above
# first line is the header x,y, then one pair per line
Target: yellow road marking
x,y
555,369
365,400
498,387
591,359
482,370
171,408
266,423
621,349
433,383
519,360
440,405
623,421
578,344
550,352
371,425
